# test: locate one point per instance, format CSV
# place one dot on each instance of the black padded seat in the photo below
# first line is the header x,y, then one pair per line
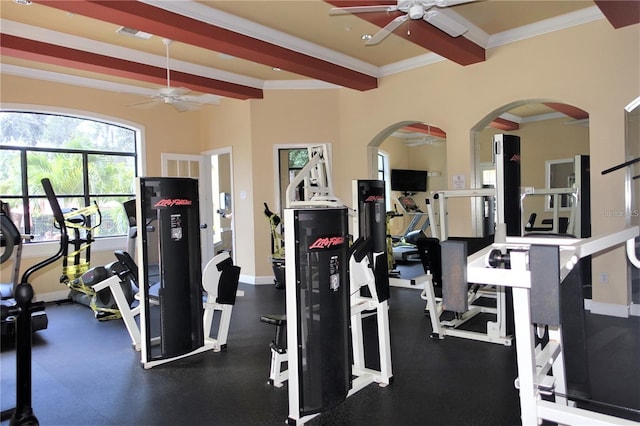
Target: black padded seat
x,y
277,320
279,343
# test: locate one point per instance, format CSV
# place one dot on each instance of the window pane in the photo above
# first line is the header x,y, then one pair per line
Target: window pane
x,y
64,170
298,158
194,169
114,219
111,174
42,224
42,227
57,131
183,168
10,178
69,151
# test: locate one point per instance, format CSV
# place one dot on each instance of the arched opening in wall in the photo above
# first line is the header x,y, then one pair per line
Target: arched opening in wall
x,y
554,164
410,156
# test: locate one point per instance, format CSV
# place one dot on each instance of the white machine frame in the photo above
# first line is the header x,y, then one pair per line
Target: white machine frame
x,y
536,362
210,282
318,181
496,331
555,195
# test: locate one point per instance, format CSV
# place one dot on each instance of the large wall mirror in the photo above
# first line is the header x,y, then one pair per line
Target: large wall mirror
x,y
554,145
633,189
411,159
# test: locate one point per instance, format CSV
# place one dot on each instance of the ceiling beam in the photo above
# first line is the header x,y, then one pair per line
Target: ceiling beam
x,y
620,13
181,28
426,129
33,50
504,124
457,49
568,110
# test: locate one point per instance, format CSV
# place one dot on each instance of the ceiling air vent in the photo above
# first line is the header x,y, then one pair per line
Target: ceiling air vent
x,y
132,32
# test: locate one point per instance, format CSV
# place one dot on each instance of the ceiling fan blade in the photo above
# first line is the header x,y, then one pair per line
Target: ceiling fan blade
x,y
173,91
145,104
388,29
181,106
206,98
362,9
445,23
448,3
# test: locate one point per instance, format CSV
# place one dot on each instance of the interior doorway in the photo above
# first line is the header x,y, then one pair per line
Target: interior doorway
x,y
222,200
194,166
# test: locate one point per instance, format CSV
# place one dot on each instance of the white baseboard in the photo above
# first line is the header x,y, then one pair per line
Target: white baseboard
x,y
611,309
253,280
634,310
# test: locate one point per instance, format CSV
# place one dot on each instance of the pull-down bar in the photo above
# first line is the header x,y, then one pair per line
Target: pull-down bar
x,y
622,165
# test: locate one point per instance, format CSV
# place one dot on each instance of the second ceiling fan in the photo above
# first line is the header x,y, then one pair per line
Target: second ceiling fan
x,y
426,10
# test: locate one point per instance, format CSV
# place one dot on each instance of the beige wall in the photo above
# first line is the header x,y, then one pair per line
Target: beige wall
x,y
591,66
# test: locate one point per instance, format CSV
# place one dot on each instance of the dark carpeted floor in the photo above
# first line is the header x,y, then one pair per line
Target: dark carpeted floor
x,y
86,373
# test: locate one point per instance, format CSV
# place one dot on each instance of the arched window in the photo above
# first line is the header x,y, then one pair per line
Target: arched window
x,y
87,161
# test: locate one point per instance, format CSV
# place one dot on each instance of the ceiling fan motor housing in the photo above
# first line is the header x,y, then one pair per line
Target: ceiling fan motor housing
x,y
416,11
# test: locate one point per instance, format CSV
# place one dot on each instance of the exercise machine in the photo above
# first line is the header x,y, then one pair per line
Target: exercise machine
x,y
219,281
328,362
333,291
23,311
536,268
316,181
478,298
541,271
12,242
277,247
404,247
182,320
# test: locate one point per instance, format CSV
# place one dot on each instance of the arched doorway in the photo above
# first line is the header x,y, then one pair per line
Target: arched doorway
x,y
402,149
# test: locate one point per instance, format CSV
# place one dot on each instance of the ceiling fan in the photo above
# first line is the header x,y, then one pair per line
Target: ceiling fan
x,y
418,139
177,97
426,10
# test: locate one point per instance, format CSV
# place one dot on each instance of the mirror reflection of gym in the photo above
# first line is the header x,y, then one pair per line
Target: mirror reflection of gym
x,y
411,153
632,114
551,136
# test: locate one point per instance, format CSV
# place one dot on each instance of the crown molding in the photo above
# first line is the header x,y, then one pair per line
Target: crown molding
x,y
93,83
546,26
409,64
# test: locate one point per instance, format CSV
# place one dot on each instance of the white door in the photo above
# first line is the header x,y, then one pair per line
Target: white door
x,y
220,163
194,166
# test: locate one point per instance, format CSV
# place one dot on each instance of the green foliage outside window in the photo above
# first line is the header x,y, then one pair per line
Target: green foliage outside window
x,y
87,161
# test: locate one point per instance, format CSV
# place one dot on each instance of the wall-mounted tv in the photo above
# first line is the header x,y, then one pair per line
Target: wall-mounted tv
x,y
408,180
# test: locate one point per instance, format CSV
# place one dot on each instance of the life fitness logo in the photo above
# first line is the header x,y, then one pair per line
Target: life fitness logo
x,y
172,202
325,243
374,198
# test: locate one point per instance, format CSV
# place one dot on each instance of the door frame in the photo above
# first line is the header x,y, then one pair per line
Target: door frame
x,y
207,163
204,195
